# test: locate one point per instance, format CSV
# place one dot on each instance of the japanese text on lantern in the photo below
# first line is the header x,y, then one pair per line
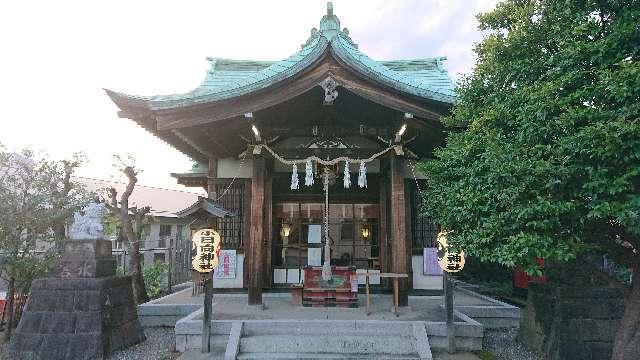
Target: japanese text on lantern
x,y
206,243
448,261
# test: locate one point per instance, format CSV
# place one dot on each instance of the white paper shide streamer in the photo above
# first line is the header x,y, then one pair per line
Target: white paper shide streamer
x,y
308,176
347,176
362,176
294,178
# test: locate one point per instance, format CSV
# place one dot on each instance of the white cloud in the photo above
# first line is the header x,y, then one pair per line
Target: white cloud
x,y
58,55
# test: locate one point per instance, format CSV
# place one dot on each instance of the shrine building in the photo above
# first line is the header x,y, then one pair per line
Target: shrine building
x,y
263,131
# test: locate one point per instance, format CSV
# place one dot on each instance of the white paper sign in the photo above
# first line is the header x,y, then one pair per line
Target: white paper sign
x,y
430,259
374,277
226,265
315,234
314,256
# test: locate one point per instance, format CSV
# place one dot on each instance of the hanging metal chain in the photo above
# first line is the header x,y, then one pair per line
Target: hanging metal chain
x,y
412,166
226,190
326,206
326,267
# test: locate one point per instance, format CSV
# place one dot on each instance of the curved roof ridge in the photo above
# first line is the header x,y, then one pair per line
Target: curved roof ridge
x,y
228,78
396,79
415,64
265,77
232,64
271,74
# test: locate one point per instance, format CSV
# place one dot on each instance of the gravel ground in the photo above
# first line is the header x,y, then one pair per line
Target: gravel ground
x,y
160,345
2,344
505,346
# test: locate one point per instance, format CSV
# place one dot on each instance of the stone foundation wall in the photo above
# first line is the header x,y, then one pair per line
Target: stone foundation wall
x,y
572,322
76,319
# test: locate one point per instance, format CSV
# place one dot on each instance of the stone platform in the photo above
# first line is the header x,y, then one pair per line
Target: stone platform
x,y
80,314
281,329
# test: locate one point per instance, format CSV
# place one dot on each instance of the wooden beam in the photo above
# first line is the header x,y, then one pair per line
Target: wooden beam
x,y
256,235
224,147
199,138
332,153
343,130
190,142
399,225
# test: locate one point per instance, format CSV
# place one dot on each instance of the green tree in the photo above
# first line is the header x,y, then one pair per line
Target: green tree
x,y
543,153
36,196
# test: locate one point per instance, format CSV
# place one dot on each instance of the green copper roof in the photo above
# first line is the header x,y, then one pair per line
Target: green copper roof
x,y
227,79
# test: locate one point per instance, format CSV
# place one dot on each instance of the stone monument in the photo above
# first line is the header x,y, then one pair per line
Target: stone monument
x,y
85,311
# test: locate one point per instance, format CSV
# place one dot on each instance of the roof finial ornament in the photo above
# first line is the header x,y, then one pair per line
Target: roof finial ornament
x,y
330,24
314,35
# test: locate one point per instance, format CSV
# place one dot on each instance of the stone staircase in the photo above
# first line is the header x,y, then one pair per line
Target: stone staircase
x,y
320,339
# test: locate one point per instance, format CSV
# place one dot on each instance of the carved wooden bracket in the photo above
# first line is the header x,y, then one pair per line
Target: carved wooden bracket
x,y
257,150
330,93
398,150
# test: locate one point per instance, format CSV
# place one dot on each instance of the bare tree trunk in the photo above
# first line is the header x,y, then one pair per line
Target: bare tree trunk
x,y
133,237
135,270
137,278
10,305
627,343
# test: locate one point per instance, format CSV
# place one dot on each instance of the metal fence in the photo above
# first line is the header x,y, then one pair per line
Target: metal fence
x,y
177,256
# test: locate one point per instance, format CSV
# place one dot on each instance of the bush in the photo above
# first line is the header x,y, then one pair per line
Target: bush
x,y
155,277
476,270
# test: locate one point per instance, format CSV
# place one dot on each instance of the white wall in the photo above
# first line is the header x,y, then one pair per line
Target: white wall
x,y
230,168
421,281
235,283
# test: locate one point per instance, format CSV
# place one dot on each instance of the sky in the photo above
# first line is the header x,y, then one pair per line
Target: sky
x,y
58,56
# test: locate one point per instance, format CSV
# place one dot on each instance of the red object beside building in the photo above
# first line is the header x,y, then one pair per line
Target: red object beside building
x,y
337,292
521,280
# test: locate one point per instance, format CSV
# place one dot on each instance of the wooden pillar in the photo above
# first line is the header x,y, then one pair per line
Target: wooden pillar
x,y
211,175
409,187
246,231
399,226
256,234
384,224
268,225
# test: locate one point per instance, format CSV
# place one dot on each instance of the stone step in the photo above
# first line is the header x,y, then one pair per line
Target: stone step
x,y
338,344
286,356
324,327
